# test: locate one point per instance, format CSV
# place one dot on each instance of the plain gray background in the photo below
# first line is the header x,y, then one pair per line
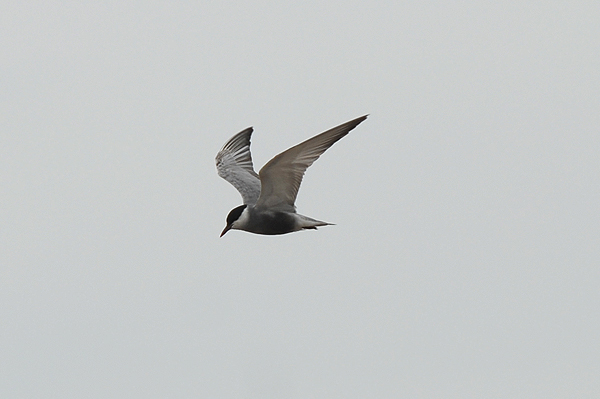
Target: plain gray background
x,y
465,259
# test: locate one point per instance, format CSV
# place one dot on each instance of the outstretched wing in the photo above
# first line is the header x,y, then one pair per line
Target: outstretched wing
x,y
282,175
234,164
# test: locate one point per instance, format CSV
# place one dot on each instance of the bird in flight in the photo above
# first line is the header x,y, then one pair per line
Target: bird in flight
x,y
269,196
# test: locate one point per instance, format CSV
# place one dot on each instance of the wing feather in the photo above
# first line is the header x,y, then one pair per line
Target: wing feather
x,y
281,176
234,164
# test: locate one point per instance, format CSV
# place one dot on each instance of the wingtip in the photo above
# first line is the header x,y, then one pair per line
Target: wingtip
x,y
360,119
357,121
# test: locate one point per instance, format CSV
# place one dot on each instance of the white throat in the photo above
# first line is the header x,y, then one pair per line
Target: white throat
x,y
242,221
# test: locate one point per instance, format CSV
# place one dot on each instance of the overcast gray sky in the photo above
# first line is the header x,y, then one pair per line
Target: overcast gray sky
x,y
465,258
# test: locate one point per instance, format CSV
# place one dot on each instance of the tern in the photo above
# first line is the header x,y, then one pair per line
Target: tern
x,y
269,196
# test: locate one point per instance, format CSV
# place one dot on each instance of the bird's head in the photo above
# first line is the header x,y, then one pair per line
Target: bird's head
x,y
234,219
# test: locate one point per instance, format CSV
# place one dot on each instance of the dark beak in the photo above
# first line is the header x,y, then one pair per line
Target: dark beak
x,y
225,230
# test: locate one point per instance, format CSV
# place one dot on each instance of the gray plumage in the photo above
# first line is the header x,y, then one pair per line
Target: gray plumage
x,y
269,197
